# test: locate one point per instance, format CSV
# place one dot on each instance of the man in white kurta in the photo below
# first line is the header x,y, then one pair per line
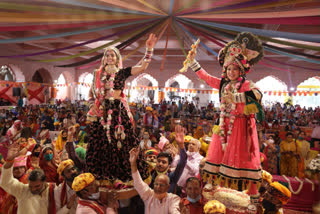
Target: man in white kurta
x,y
30,200
64,196
156,201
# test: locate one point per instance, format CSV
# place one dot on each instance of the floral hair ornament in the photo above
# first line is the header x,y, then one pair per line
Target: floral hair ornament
x,y
245,51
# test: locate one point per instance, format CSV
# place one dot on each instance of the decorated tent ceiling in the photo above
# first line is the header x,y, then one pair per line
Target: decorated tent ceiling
x,y
73,33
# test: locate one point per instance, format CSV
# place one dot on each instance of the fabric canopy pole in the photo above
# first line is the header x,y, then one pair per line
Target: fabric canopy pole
x,y
166,46
156,32
179,39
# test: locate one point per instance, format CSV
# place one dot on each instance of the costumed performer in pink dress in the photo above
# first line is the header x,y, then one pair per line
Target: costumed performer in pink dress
x,y
233,158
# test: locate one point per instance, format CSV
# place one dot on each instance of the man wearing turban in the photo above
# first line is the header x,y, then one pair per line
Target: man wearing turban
x,y
65,196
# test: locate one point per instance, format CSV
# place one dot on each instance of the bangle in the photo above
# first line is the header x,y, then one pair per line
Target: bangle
x,y
9,161
148,55
195,66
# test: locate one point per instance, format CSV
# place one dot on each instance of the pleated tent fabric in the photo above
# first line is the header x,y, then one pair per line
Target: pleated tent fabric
x,y
125,22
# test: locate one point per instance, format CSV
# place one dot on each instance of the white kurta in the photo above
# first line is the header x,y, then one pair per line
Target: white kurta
x,y
57,199
169,205
28,203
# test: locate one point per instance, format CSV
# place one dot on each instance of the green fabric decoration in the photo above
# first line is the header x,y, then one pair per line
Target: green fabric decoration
x,y
252,106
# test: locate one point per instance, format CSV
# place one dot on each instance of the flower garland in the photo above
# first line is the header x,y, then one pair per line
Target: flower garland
x,y
108,93
290,187
312,184
314,165
227,110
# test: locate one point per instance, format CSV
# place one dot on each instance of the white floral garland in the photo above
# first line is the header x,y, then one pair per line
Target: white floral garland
x,y
309,181
109,94
314,164
290,187
223,115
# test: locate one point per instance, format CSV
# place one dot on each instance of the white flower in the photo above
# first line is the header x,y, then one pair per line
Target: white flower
x,y
314,164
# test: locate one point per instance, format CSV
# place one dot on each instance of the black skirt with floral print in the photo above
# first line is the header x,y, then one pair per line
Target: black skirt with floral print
x,y
103,158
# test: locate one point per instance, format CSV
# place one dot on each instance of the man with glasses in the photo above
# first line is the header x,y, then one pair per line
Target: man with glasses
x,y
156,200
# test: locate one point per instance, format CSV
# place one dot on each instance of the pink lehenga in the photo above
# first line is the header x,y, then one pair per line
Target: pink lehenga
x,y
233,153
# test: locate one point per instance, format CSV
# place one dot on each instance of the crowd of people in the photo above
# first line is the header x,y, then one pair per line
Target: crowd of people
x,y
110,156
43,135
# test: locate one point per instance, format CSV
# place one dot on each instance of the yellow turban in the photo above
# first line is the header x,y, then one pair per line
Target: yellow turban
x,y
63,165
214,206
76,125
267,176
82,181
187,138
148,108
280,192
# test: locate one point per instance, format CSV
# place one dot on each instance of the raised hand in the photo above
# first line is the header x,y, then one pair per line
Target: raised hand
x,y
180,135
152,40
183,208
190,58
13,151
134,153
71,131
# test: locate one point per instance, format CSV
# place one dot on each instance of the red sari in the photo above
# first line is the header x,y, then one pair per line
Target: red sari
x,y
50,170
